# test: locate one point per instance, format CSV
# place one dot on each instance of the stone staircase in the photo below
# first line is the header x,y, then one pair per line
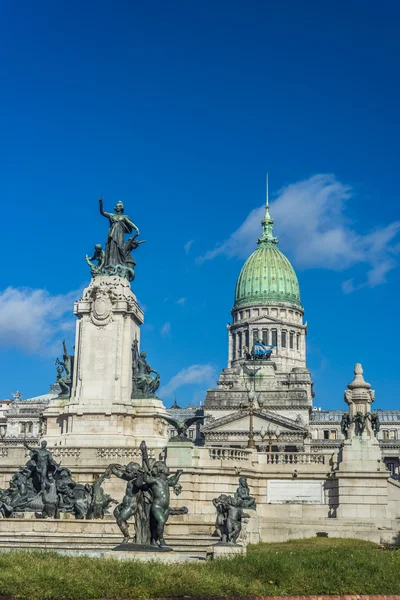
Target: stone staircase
x,y
196,546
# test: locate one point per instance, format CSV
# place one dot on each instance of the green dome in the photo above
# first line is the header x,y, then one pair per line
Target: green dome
x,y
267,276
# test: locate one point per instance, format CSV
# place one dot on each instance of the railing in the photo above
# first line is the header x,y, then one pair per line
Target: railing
x,y
293,458
229,454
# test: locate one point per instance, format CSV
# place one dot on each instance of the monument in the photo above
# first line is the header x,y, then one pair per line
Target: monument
x,y
108,390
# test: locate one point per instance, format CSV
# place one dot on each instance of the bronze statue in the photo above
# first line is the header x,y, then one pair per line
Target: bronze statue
x,y
99,255
99,501
159,482
44,462
65,381
345,424
120,224
181,427
144,385
229,518
234,518
134,503
243,494
50,497
359,420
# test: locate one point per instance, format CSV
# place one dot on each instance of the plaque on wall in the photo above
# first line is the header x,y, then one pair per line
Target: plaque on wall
x,y
295,491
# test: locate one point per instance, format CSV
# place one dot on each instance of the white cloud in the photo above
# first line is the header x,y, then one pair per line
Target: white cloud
x,y
314,231
188,245
166,329
181,301
32,319
195,374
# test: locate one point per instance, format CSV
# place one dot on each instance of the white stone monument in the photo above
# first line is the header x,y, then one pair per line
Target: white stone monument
x,y
361,472
101,411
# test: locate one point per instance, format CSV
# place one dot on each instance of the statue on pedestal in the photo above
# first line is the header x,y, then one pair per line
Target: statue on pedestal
x,y
116,259
43,462
243,494
345,424
229,518
181,427
65,381
359,420
147,499
144,385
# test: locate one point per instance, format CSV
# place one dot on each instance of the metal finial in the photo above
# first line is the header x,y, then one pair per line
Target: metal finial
x,y
266,191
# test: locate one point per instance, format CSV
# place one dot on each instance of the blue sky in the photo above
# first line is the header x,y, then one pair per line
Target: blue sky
x,y
178,109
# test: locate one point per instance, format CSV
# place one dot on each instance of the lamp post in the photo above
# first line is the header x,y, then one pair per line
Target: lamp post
x,y
272,433
252,400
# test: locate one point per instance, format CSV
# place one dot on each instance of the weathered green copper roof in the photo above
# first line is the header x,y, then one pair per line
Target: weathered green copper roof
x,y
267,276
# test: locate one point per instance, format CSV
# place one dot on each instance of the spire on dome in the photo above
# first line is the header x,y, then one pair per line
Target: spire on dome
x,y
267,222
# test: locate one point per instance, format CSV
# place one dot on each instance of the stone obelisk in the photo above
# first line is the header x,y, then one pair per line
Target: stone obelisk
x,y
100,410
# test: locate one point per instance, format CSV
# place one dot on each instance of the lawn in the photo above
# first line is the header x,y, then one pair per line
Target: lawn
x,y
315,566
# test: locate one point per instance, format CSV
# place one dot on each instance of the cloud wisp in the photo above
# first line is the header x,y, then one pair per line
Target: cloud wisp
x,y
314,230
166,329
188,245
204,375
32,320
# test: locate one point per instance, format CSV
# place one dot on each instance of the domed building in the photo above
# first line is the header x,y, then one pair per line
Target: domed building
x,y
267,308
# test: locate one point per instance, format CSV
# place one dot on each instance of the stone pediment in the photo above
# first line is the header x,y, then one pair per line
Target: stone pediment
x,y
240,420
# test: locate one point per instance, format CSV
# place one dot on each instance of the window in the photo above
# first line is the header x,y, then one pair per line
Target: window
x,y
391,467
326,434
191,432
291,340
246,338
265,336
385,434
255,335
29,427
239,350
22,428
298,341
241,315
256,312
333,434
274,334
234,346
392,434
247,314
283,338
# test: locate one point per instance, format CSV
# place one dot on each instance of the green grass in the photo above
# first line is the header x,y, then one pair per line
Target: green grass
x,y
315,566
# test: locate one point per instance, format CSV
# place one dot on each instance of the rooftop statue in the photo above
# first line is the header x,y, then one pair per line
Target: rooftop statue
x,y
116,259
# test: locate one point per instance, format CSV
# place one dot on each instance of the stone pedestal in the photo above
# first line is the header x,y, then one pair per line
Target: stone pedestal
x,y
100,411
180,454
250,533
362,476
362,479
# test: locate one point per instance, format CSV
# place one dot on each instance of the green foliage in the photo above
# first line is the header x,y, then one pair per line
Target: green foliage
x,y
315,566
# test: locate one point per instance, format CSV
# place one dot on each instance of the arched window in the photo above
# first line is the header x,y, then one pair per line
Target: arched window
x,y
283,338
291,339
298,341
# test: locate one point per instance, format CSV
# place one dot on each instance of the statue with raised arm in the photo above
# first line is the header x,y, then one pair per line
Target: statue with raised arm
x,y
65,381
44,462
135,503
157,478
144,385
